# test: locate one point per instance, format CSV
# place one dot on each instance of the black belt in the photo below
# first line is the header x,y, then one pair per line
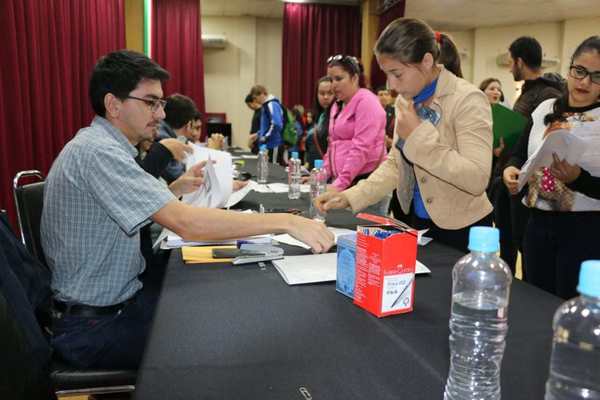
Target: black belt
x,y
83,310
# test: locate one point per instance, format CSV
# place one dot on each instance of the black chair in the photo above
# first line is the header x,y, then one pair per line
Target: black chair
x,y
29,200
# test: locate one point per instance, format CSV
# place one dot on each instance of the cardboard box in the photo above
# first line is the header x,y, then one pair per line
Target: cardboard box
x,y
386,256
346,264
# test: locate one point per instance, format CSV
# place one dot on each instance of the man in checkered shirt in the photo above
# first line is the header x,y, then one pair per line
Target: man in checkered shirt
x,y
97,198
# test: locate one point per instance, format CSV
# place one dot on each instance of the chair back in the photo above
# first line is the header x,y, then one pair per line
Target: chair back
x,y
29,201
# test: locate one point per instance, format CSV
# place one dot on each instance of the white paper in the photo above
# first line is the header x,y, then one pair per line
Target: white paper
x,y
238,196
218,180
287,239
298,270
170,240
566,145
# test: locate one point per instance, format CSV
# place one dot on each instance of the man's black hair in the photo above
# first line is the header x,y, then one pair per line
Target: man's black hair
x,y
527,49
119,73
179,110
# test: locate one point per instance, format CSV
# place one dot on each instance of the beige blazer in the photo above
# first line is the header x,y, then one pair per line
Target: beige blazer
x,y
451,161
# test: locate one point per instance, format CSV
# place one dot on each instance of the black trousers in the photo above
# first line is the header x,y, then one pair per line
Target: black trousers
x,y
458,239
555,245
501,200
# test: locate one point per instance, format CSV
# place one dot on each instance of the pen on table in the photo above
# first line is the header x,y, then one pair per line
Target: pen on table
x,y
402,292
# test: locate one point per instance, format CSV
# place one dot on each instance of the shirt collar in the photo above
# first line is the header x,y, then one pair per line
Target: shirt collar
x,y
115,133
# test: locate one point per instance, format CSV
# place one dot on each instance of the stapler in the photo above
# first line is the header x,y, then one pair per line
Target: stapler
x,y
259,252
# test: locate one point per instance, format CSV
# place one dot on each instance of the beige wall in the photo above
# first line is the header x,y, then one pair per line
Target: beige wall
x,y
134,25
252,55
483,45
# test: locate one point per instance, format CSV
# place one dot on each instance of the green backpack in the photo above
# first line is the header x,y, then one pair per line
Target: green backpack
x,y
289,134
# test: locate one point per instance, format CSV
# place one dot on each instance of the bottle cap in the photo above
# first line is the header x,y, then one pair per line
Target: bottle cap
x,y
589,278
295,154
262,147
318,163
484,238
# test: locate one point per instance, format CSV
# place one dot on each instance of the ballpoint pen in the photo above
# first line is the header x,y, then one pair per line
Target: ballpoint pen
x,y
402,292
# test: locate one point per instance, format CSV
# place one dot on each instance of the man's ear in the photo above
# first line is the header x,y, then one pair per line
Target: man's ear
x,y
112,105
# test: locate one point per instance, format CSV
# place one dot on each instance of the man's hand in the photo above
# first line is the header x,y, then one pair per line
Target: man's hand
x,y
251,139
190,181
178,149
510,176
331,200
313,233
563,171
237,185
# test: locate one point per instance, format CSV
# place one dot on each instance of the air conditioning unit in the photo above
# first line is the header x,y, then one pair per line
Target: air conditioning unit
x,y
503,60
214,41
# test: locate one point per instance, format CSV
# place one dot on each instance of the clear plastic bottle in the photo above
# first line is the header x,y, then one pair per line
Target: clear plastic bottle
x,y
478,324
294,177
575,362
318,186
263,164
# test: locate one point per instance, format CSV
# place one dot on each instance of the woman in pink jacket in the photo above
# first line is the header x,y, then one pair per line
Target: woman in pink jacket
x,y
356,126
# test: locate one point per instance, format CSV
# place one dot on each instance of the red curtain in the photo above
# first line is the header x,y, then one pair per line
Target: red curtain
x,y
312,33
396,11
177,47
48,50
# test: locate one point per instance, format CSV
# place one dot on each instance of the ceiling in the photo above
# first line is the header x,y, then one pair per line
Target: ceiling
x,y
443,14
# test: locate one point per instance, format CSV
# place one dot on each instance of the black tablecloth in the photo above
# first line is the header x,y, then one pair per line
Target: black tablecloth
x,y
225,332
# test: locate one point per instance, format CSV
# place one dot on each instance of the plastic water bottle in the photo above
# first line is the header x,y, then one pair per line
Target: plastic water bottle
x,y
294,177
263,164
478,324
575,362
318,186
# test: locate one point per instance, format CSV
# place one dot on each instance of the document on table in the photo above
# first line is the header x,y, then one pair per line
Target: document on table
x,y
218,181
565,144
287,239
298,270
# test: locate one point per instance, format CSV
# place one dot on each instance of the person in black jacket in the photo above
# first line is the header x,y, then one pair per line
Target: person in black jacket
x,y
255,125
510,215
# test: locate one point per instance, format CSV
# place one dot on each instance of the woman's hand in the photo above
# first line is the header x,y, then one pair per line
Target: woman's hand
x,y
510,176
407,119
331,200
563,171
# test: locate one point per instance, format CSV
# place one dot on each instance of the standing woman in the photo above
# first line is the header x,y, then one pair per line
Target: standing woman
x,y
441,159
356,126
317,137
564,199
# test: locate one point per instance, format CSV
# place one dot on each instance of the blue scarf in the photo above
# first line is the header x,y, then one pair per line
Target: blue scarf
x,y
426,114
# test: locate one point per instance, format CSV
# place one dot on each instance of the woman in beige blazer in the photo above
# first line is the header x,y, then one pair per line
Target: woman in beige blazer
x,y
441,160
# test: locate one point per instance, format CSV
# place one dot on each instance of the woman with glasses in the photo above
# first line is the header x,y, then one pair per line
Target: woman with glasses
x,y
441,157
356,126
564,199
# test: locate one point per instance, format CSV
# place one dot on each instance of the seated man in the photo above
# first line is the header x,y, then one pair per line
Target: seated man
x,y
182,122
96,200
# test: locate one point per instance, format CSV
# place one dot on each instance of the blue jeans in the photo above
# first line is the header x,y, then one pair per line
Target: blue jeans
x,y
108,341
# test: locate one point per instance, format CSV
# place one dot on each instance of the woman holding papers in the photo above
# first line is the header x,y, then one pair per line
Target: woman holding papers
x,y
564,197
441,159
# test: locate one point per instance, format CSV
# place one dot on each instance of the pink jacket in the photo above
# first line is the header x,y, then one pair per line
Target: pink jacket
x,y
356,139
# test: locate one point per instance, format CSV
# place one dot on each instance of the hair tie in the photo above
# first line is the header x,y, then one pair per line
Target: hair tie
x,y
438,37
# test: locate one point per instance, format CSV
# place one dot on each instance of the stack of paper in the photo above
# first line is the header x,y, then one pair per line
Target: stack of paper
x,y
298,270
287,239
218,180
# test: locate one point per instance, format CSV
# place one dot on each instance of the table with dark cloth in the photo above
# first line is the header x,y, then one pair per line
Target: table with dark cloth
x,y
239,332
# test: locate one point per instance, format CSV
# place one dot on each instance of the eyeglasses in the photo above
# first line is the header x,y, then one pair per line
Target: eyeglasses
x,y
154,104
579,72
348,60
